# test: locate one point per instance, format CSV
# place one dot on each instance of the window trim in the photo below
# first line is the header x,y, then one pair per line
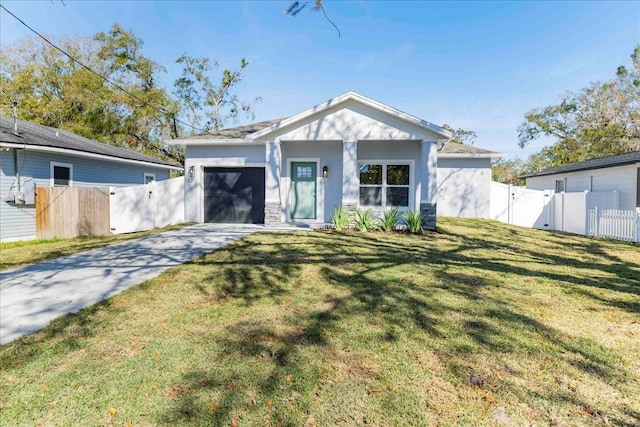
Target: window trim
x,y
149,175
384,163
53,165
564,185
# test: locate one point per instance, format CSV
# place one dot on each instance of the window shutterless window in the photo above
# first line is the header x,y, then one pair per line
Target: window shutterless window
x,y
61,174
384,185
559,185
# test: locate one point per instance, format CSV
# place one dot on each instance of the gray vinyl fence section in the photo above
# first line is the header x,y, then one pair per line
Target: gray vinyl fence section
x,y
143,207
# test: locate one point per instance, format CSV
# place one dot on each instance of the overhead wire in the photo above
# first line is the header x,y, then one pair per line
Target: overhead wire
x,y
114,84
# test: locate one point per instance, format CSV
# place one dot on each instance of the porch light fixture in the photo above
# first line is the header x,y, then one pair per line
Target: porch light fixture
x,y
325,172
192,173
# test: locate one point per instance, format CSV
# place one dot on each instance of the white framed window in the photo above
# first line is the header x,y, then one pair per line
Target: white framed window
x,y
385,184
149,177
61,175
559,185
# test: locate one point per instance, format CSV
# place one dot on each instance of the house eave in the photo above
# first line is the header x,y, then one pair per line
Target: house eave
x,y
207,141
470,155
86,155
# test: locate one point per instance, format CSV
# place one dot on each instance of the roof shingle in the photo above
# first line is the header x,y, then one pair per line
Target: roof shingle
x,y
44,136
239,132
599,163
452,147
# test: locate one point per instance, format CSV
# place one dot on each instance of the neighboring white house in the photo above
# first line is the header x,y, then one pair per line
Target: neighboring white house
x,y
620,173
350,151
33,155
464,180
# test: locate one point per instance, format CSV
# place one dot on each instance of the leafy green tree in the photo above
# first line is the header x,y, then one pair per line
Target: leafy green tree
x,y
508,171
106,89
461,136
205,104
103,88
600,120
146,111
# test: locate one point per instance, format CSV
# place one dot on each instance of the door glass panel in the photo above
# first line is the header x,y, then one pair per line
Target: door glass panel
x,y
304,172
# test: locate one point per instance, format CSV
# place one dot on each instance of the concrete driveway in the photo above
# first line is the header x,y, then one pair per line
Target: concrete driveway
x,y
32,296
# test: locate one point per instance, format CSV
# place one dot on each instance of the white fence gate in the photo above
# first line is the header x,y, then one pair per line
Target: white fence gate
x,y
614,224
520,206
143,207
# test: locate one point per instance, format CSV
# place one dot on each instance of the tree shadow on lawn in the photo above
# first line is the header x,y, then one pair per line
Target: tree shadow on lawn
x,y
414,303
63,335
554,251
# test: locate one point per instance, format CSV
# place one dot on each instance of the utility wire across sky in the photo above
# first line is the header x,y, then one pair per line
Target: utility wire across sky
x,y
114,84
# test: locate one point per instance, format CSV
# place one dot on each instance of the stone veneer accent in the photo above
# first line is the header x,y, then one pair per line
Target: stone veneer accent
x,y
428,211
351,212
272,213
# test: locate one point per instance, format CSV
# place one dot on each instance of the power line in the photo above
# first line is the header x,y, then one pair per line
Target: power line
x,y
145,103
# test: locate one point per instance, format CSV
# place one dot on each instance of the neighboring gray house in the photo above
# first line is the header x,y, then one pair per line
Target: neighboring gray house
x,y
620,173
45,157
350,151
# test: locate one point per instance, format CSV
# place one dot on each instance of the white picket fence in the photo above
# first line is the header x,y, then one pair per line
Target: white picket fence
x,y
614,223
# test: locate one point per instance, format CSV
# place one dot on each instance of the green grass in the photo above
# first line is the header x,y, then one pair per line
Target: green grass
x,y
19,254
325,328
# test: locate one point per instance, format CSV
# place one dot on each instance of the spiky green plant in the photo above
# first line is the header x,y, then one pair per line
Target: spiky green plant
x,y
389,220
339,218
364,220
413,220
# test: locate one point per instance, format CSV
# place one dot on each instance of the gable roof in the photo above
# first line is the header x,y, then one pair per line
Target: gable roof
x,y
252,132
456,149
238,132
599,163
353,96
37,136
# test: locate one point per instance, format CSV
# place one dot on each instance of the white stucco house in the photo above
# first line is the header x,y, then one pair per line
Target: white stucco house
x,y
620,173
349,151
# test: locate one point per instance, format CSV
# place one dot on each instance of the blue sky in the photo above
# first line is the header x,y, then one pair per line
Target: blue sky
x,y
476,65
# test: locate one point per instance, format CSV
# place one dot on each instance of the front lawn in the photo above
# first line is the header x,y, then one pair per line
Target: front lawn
x,y
480,324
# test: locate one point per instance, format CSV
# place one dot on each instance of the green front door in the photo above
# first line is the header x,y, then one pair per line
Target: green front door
x,y
303,190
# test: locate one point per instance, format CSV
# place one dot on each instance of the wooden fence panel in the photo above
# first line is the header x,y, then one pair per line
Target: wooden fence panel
x,y
71,211
42,211
93,211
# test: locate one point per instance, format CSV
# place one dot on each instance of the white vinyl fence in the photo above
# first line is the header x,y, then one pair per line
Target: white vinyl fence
x,y
521,206
614,223
591,213
570,209
143,207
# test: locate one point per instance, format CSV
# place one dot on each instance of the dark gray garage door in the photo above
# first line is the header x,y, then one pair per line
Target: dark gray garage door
x,y
234,195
